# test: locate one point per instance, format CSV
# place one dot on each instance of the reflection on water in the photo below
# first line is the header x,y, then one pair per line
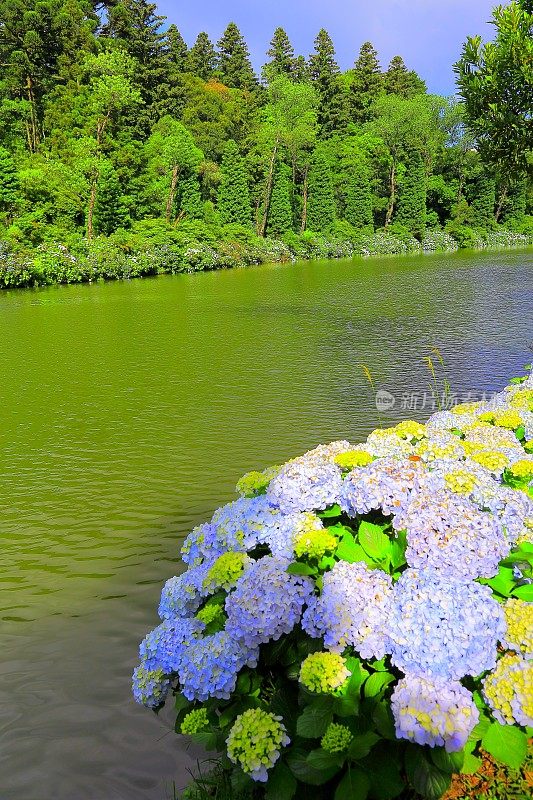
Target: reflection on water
x,y
127,413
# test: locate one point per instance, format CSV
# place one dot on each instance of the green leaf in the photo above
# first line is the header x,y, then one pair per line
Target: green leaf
x,y
297,568
181,702
362,745
506,743
447,762
384,772
315,718
305,772
348,550
282,784
384,721
520,432
373,540
347,703
425,778
376,683
332,511
471,764
502,583
206,739
524,593
320,759
354,785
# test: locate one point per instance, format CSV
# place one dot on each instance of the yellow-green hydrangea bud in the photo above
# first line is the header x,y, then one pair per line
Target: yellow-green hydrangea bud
x,y
226,571
314,543
465,408
255,482
194,721
410,429
508,419
470,448
323,673
492,460
523,399
508,690
353,458
522,469
336,739
254,742
460,481
519,619
487,416
528,446
210,613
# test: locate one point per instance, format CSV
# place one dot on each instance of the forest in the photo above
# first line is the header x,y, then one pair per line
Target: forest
x,y
124,152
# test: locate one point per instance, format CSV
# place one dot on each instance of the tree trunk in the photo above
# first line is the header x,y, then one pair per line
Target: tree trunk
x,y
304,201
172,192
268,191
501,201
392,196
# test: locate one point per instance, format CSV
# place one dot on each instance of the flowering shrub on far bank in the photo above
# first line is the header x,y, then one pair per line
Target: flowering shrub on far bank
x,y
360,620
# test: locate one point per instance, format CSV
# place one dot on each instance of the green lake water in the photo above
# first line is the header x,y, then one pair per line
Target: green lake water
x,y
127,413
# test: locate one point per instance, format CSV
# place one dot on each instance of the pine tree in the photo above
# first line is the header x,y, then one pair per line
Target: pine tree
x,y
411,207
301,70
9,185
483,201
190,198
280,210
401,81
358,211
514,207
176,48
366,84
201,58
234,62
233,194
109,212
325,74
321,198
282,59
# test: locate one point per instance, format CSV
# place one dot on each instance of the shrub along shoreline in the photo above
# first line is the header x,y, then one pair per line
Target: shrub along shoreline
x,y
155,249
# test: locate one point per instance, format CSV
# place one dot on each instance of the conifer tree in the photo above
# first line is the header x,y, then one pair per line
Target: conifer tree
x,y
483,200
9,185
325,74
109,211
358,211
514,207
280,210
234,62
233,194
411,207
201,58
366,84
301,70
282,59
401,81
176,48
190,198
321,198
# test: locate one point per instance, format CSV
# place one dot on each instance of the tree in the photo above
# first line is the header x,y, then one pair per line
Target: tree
x,y
483,200
325,74
514,205
9,183
175,48
366,85
172,155
358,210
411,209
401,81
190,198
495,81
109,209
234,63
201,58
280,210
233,195
281,54
321,202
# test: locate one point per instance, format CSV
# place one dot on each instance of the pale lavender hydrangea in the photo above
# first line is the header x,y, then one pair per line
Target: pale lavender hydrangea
x,y
267,602
388,443
518,508
442,626
163,647
182,595
209,666
203,542
150,687
305,485
449,533
351,609
385,484
434,712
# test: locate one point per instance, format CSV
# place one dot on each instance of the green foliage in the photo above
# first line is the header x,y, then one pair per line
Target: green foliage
x,y
109,210
411,208
234,64
321,202
280,210
201,59
9,184
483,201
358,211
366,85
325,75
401,81
233,195
282,58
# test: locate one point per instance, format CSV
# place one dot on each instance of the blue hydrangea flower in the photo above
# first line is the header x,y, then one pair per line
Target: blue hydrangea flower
x,y
306,485
385,484
204,542
441,626
267,602
449,533
209,666
351,609
434,712
182,595
150,686
163,647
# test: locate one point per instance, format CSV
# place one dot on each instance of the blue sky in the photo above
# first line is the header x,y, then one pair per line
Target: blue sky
x,y
427,33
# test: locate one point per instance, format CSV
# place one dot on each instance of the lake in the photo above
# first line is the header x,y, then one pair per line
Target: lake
x,y
127,413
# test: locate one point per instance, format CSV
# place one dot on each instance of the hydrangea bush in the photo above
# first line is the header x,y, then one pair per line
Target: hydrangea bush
x,y
360,621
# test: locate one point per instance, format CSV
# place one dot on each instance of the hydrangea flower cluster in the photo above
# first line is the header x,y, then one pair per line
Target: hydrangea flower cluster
x,y
392,550
255,741
433,712
323,673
